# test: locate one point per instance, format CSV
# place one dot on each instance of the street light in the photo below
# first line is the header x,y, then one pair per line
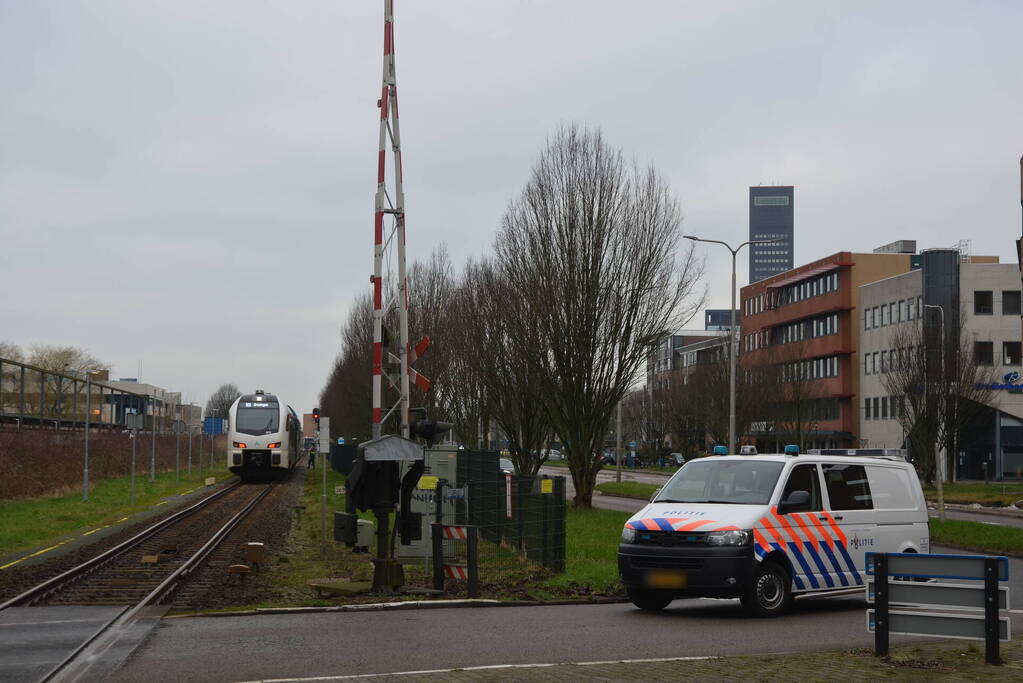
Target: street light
x,y
940,461
731,333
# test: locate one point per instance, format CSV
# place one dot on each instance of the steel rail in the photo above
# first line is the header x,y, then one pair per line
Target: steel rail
x,y
85,653
49,586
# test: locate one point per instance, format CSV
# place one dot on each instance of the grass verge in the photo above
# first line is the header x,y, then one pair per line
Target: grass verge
x,y
591,559
627,489
995,493
30,523
976,536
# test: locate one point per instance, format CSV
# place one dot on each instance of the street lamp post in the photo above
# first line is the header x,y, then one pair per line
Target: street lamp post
x,y
731,333
939,460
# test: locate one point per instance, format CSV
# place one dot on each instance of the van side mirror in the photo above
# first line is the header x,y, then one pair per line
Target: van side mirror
x,y
654,494
796,502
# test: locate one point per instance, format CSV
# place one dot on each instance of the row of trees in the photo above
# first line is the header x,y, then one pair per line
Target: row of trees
x,y
547,333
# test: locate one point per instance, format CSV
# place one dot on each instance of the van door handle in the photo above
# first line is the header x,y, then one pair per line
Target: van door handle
x,y
824,519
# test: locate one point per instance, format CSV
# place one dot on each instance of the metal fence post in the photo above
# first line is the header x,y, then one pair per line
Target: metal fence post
x,y
880,605
134,438
472,551
991,646
437,535
545,499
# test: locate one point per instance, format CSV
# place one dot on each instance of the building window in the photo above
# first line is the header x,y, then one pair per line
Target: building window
x,y
982,304
877,408
909,309
875,363
1010,302
866,364
866,409
1010,353
884,361
770,201
884,407
983,353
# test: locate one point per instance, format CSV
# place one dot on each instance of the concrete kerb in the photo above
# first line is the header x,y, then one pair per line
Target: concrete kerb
x,y
402,605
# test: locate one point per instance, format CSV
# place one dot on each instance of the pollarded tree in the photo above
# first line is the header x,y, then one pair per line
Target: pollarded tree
x,y
591,248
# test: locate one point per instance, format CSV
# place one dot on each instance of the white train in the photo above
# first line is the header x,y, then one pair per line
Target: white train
x,y
263,438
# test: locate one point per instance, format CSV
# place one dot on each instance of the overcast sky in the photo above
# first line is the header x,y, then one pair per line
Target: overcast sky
x,y
190,185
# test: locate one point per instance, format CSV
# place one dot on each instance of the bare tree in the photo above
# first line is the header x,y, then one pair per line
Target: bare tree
x,y
220,400
938,388
590,247
497,344
11,351
347,397
797,413
68,360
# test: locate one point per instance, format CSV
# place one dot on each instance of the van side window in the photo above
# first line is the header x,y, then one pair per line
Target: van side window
x,y
848,488
890,488
804,478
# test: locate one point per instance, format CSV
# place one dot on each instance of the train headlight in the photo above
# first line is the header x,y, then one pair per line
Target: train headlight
x,y
274,445
239,444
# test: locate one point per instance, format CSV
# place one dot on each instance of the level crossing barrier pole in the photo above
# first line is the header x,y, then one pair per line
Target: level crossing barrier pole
x,y
992,655
881,605
177,457
190,435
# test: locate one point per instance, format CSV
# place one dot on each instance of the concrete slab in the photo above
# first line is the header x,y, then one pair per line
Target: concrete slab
x,y
35,639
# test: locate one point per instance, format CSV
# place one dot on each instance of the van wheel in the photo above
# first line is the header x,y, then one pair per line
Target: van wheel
x,y
651,601
770,592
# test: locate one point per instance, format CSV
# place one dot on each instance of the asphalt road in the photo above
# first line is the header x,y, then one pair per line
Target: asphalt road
x,y
331,644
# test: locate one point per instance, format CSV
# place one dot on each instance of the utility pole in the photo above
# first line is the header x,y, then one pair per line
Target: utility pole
x,y
395,294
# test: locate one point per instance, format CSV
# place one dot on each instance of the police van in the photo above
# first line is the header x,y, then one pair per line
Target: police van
x,y
765,528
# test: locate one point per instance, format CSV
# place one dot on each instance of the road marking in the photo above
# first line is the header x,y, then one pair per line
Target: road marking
x,y
123,519
489,667
89,533
54,621
38,552
160,503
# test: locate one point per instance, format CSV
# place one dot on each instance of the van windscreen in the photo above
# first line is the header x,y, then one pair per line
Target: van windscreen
x,y
743,482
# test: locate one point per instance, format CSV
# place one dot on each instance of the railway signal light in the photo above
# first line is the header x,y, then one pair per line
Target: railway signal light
x,y
426,428
316,417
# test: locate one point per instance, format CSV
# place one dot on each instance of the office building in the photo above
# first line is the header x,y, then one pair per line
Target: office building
x,y
718,319
981,298
803,325
771,212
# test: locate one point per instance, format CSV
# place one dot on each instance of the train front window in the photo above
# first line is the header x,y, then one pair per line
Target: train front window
x,y
258,417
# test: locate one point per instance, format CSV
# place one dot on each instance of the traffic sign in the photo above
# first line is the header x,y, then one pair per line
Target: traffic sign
x,y
633,444
324,435
213,425
178,427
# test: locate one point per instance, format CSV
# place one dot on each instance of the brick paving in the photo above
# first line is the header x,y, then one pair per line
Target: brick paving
x,y
927,661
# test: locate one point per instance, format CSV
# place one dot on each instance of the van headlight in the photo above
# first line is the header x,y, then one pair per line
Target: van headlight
x,y
628,534
733,537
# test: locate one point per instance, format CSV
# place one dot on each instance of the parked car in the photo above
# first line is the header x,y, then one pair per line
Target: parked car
x,y
675,460
553,454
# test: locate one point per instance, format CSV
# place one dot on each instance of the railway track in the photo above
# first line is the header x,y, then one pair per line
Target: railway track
x,y
144,571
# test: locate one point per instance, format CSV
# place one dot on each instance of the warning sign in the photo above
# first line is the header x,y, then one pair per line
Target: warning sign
x,y
428,482
546,486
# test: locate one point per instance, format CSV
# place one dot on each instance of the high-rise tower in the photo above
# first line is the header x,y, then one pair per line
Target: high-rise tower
x,y
771,211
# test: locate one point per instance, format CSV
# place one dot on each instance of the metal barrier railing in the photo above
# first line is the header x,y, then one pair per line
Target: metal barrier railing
x,y
34,396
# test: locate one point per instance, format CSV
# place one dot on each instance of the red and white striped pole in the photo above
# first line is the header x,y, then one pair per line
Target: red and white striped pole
x,y
395,206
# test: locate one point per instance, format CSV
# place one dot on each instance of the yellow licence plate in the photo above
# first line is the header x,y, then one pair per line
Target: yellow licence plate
x,y
666,579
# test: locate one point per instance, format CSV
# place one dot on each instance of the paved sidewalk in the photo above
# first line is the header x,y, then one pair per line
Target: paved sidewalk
x,y
942,660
